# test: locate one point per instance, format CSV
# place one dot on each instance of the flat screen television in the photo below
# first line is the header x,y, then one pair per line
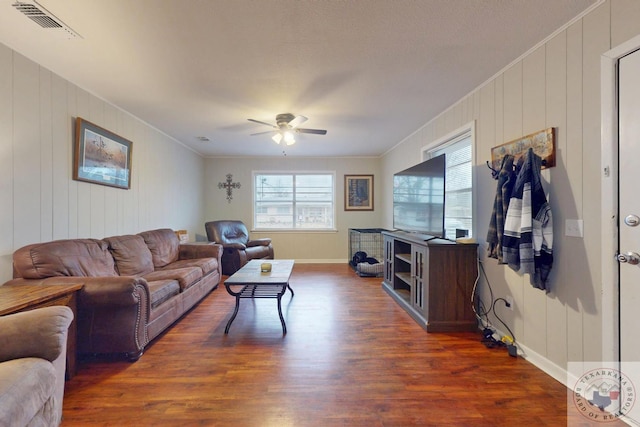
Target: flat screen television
x,y
418,198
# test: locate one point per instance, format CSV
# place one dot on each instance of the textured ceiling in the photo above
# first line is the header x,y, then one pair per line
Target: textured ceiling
x,y
370,72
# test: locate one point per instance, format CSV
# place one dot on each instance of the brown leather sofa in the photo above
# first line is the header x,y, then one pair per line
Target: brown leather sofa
x,y
238,247
135,286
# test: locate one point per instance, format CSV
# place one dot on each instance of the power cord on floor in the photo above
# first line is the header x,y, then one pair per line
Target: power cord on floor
x,y
488,339
508,340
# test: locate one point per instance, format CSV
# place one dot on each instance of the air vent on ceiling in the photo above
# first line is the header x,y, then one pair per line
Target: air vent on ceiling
x,y
44,18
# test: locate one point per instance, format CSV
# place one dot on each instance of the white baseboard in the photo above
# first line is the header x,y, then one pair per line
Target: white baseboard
x,y
555,371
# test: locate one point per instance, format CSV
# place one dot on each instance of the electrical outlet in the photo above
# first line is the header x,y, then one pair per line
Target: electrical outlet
x,y
509,303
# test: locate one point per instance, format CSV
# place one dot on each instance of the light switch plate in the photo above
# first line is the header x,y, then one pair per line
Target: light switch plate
x,y
573,228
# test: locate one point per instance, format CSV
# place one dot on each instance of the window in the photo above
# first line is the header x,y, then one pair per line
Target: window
x,y
293,201
458,205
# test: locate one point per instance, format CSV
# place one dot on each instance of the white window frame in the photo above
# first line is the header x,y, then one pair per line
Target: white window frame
x,y
466,131
294,173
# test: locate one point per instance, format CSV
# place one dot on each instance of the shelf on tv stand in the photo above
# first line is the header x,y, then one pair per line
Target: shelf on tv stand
x,y
404,294
405,277
404,257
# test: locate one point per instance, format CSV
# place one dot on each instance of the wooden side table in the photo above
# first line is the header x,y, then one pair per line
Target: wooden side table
x,y
15,298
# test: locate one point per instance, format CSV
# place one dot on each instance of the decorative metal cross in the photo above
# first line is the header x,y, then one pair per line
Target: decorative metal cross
x,y
229,186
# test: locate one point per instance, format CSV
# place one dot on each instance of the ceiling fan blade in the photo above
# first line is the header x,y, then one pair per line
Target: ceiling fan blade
x,y
262,123
314,131
262,133
297,121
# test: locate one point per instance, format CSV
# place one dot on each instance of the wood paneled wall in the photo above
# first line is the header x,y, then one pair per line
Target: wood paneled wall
x,y
557,84
38,199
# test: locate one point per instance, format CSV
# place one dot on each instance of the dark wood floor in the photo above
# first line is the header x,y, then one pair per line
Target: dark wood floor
x,y
351,357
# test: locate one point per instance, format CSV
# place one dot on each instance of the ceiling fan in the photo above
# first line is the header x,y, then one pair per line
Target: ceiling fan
x,y
285,128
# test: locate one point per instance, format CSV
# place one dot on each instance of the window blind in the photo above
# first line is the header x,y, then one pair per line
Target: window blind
x,y
458,205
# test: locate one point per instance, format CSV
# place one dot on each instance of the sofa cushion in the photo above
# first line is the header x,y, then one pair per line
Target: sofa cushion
x,y
186,277
162,290
131,254
77,257
163,244
25,386
207,265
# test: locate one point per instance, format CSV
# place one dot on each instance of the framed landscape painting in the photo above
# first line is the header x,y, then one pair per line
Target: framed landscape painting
x,y
101,157
358,192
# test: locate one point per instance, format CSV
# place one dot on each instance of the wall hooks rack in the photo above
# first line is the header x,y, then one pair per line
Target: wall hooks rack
x,y
543,143
496,172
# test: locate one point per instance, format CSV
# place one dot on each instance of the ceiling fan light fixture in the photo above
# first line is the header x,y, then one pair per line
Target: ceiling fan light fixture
x,y
286,127
288,138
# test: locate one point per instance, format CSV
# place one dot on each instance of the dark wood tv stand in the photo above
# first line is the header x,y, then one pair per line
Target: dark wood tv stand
x,y
431,280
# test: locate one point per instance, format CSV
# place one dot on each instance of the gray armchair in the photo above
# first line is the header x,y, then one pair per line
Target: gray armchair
x,y
33,348
239,248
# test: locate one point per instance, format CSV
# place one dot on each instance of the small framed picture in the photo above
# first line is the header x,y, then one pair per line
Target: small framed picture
x,y
358,192
101,157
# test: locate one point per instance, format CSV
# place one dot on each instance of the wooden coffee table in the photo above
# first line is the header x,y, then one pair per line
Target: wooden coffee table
x,y
251,282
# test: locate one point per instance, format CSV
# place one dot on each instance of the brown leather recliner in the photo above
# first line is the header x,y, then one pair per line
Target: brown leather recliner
x,y
238,247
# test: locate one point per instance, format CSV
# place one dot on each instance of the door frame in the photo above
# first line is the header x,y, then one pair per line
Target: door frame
x,y
609,193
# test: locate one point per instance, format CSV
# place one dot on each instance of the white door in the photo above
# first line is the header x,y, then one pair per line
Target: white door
x,y
629,214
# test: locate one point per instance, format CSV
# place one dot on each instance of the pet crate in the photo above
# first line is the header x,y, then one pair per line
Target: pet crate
x,y
368,241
